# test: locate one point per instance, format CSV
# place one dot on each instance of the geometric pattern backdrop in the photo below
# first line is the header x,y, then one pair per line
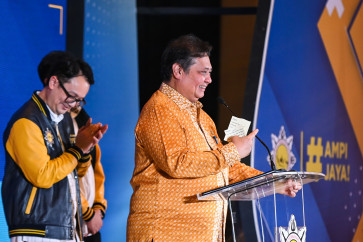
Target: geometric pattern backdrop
x,y
310,113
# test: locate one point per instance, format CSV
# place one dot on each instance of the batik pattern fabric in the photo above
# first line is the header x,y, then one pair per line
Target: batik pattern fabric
x,y
178,154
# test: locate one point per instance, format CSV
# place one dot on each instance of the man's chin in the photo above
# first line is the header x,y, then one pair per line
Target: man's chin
x,y
64,109
61,112
200,95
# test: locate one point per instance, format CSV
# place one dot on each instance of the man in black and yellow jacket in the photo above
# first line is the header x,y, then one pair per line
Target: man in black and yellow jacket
x,y
40,188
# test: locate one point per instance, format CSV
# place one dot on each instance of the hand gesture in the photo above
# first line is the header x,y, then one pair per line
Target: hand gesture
x,y
89,135
291,188
244,144
95,224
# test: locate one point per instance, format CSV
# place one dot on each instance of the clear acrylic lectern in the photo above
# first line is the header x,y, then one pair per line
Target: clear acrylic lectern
x,y
264,185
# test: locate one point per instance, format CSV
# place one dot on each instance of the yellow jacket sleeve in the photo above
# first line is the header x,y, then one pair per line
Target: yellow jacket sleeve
x,y
27,148
100,201
83,165
87,212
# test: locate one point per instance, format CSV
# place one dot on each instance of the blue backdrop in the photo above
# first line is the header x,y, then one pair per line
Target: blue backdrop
x,y
302,116
25,38
111,49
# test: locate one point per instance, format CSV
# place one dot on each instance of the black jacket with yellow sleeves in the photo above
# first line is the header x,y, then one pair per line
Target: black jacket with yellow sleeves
x,y
35,190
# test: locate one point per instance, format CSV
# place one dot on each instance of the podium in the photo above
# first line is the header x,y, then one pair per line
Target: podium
x,y
261,186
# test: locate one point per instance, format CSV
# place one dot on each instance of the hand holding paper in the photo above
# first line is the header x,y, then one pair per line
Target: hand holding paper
x,y
237,127
244,144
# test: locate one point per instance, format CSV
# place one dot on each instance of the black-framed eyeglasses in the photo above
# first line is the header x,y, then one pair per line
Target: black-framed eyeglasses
x,y
72,99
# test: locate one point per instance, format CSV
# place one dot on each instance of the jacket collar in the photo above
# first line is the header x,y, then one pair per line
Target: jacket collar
x,y
43,107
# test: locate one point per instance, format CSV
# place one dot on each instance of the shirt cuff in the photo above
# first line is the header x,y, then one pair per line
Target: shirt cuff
x,y
100,207
76,152
230,154
85,158
88,215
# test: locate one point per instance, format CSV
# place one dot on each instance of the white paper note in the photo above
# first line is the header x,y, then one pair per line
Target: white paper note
x,y
237,127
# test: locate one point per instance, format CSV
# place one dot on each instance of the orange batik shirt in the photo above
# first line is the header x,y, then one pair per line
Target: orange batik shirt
x,y
178,154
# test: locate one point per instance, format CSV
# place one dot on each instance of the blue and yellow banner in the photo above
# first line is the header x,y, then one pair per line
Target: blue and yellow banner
x,y
309,111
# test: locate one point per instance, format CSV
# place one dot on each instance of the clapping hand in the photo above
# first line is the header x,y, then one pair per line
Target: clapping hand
x,y
89,135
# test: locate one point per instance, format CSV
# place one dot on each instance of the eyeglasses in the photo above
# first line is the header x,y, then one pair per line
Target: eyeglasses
x,y
72,99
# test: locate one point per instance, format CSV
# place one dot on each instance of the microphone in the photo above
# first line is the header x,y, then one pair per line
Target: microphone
x,y
221,101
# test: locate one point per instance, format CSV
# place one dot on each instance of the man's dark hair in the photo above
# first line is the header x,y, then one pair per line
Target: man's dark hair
x,y
65,66
183,51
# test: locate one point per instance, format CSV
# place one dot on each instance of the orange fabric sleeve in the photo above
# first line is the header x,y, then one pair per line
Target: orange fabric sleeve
x,y
166,140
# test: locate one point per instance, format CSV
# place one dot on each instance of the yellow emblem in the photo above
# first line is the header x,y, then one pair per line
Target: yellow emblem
x,y
72,139
282,153
48,137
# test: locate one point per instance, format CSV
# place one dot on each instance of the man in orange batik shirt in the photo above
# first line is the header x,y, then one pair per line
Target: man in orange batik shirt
x,y
179,154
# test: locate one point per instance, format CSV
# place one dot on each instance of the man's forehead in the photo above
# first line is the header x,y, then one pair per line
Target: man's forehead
x,y
76,85
203,62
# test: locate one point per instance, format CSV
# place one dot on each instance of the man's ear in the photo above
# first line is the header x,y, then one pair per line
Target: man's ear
x,y
52,82
177,71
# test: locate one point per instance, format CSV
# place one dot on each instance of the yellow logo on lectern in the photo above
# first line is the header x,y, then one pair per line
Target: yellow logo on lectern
x,y
282,150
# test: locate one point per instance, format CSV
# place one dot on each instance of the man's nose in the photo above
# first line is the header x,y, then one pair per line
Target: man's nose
x,y
208,79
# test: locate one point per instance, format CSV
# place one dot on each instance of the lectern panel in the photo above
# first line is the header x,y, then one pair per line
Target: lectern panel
x,y
260,186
